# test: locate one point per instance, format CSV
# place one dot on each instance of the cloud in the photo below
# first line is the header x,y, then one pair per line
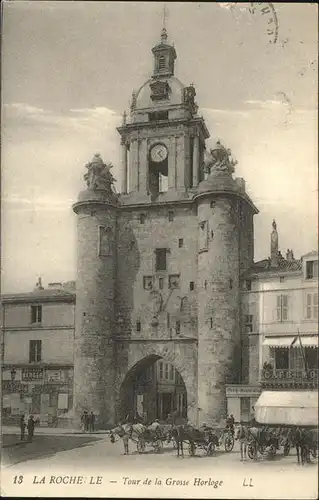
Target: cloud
x,y
21,115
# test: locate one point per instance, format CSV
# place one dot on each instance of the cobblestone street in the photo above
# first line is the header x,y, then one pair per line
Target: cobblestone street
x,y
89,457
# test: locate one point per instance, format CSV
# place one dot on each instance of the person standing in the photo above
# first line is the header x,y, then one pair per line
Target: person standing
x,y
22,427
30,425
242,436
92,422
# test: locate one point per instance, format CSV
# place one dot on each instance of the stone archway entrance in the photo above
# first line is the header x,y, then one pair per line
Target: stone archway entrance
x,y
153,388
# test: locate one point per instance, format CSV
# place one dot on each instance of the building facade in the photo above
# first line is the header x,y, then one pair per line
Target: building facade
x,y
37,354
279,328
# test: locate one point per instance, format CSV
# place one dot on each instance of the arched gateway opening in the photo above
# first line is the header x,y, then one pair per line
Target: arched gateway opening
x,y
153,388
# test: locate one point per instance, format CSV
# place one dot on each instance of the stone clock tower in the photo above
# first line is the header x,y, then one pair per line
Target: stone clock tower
x,y
159,265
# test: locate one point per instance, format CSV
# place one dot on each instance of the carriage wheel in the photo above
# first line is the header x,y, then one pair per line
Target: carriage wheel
x,y
286,449
210,449
229,443
191,449
251,451
157,446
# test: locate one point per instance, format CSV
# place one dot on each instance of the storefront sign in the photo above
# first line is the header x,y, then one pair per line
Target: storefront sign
x,y
55,376
242,391
31,374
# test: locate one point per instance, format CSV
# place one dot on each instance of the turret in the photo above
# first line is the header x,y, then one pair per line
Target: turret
x,y
96,211
221,201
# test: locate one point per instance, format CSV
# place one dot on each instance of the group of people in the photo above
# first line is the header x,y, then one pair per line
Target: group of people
x,y
29,425
88,421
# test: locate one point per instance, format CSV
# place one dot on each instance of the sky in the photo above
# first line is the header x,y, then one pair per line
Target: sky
x,y
68,71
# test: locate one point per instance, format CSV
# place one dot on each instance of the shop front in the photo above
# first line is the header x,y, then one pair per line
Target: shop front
x,y
43,392
241,400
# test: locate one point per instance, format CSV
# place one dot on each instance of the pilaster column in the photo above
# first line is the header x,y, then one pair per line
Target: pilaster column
x,y
195,160
124,166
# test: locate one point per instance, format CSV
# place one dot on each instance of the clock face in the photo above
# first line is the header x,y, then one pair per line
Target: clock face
x,y
158,153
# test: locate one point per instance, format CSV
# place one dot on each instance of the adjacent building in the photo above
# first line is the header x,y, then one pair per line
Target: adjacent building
x,y
37,353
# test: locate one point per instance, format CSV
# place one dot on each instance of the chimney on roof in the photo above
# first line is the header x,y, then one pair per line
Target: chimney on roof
x,y
289,255
274,245
38,285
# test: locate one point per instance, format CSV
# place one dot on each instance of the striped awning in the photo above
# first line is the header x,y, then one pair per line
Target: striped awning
x,y
306,341
287,408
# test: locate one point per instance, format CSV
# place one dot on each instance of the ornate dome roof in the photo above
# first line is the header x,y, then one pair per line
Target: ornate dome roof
x,y
174,93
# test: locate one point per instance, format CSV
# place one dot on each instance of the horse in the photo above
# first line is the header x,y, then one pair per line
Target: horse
x,y
129,431
306,443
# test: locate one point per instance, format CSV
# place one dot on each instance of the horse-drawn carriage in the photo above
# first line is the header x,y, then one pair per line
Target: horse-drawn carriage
x,y
141,435
207,439
295,413
267,441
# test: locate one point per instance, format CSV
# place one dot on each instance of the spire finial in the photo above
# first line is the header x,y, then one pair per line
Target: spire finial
x,y
164,32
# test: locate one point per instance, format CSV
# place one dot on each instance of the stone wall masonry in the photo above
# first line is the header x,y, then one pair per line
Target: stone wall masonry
x,y
94,349
218,306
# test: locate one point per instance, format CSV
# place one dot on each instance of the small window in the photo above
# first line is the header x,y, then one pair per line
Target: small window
x,y
35,348
180,242
36,314
312,306
211,322
161,283
311,269
203,235
173,281
212,235
282,308
142,218
168,320
178,327
166,371
161,370
282,359
170,216
281,279
248,285
230,283
205,284
171,372
161,264
147,282
248,323
138,325
213,204
191,285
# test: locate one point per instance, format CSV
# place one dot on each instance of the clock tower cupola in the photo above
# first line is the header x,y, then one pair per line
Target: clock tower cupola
x,y
164,57
163,138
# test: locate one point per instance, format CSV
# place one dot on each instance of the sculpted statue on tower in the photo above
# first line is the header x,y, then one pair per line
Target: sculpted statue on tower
x,y
219,160
98,176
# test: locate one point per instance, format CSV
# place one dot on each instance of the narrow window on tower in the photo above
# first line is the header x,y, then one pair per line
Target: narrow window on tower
x,y
161,283
178,327
203,235
138,325
211,322
104,241
230,283
212,235
161,259
213,204
161,62
142,218
170,216
191,285
180,242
